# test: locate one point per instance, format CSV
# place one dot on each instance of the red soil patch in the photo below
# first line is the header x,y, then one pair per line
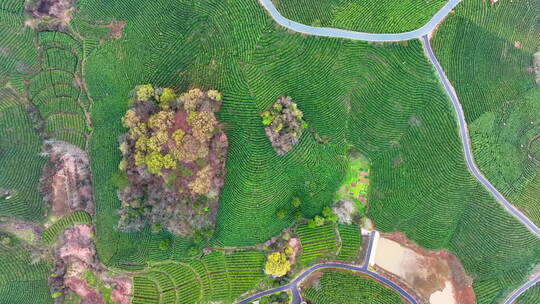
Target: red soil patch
x,y
65,181
88,294
115,29
295,245
78,245
122,291
436,268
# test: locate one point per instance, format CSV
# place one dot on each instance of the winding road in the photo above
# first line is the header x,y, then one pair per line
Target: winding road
x,y
423,34
293,286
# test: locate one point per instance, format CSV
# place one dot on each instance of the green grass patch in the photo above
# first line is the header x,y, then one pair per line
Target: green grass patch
x,y
356,183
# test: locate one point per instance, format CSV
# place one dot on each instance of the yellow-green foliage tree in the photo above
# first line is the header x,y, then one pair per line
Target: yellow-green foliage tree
x,y
277,264
174,159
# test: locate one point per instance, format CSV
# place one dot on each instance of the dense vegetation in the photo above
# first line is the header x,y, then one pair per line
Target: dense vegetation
x,y
500,98
340,287
373,16
283,124
173,160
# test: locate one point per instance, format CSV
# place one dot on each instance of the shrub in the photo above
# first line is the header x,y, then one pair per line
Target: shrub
x,y
277,264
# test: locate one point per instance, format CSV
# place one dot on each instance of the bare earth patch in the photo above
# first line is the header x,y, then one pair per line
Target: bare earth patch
x,y
436,276
115,29
56,14
66,178
75,255
295,245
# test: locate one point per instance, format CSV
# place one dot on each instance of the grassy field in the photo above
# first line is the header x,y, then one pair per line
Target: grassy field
x,y
383,100
346,288
356,183
372,16
500,98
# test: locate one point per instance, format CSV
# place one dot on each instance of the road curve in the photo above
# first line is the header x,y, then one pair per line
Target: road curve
x,y
514,295
293,285
467,146
347,34
423,33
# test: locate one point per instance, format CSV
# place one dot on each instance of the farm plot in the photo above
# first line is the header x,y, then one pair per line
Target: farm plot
x,y
370,16
347,288
319,242
500,97
384,100
22,279
350,242
215,277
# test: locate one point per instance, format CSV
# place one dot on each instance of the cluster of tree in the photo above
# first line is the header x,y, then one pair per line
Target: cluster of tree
x,y
284,124
276,298
280,260
173,163
295,212
328,216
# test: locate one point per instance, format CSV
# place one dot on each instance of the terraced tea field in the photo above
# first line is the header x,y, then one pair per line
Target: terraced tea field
x,y
370,16
347,288
500,97
20,144
51,234
384,100
318,242
215,277
23,277
351,240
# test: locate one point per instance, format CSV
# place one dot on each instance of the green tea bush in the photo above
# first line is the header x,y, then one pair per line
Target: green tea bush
x,y
370,16
347,288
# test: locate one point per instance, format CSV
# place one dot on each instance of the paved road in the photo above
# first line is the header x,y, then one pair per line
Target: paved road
x,y
422,33
340,33
514,295
467,146
293,285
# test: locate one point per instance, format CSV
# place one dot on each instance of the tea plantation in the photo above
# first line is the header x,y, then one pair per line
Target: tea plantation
x,y
23,276
341,287
530,296
372,16
384,100
500,98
